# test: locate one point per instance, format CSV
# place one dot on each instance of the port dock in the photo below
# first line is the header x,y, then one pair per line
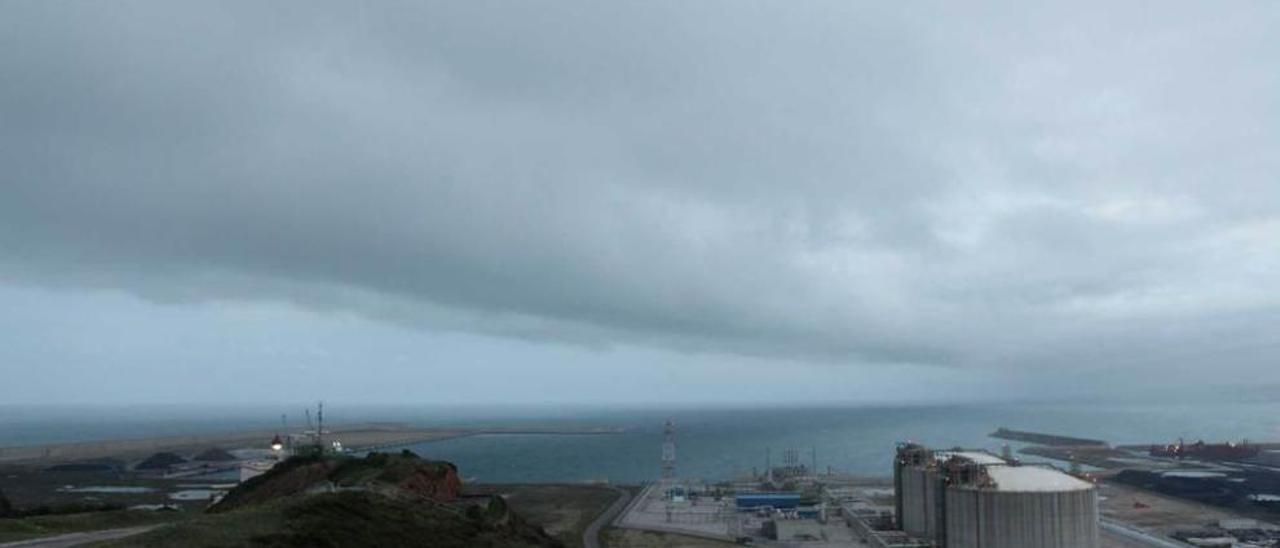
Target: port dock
x,y
1040,438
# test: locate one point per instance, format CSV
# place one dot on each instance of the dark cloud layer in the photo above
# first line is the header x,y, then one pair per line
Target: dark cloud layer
x,y
1006,186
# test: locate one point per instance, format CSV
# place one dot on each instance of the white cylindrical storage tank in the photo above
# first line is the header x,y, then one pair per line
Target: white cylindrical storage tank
x,y
915,501
922,504
1023,507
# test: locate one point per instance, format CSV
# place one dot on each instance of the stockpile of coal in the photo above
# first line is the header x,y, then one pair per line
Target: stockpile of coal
x,y
160,461
93,465
214,455
1231,488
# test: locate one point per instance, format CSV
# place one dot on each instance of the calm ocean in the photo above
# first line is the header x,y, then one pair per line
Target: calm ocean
x,y
712,443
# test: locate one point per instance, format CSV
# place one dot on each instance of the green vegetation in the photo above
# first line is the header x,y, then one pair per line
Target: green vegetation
x,y
565,511
383,499
352,518
209,530
15,529
380,500
367,519
404,471
389,468
291,477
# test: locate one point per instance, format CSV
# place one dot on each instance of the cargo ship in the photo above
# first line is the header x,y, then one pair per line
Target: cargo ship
x,y
1211,451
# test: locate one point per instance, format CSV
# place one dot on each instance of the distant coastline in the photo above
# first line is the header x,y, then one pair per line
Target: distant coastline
x,y
356,437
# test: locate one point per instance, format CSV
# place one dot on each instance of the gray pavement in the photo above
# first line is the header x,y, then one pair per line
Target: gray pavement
x,y
77,539
591,537
1121,534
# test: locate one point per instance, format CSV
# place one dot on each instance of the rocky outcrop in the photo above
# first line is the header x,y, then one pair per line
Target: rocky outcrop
x,y
433,484
435,480
403,474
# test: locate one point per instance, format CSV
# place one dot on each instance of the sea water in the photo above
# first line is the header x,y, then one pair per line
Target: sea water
x,y
724,443
711,443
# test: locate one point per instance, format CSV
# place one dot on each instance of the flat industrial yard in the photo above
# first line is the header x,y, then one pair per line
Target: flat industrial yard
x,y
1162,514
631,538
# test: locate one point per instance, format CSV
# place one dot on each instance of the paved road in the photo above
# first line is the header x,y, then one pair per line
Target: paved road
x,y
1139,537
591,537
76,539
1108,539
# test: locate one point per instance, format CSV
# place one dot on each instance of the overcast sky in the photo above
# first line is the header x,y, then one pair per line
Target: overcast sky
x,y
644,202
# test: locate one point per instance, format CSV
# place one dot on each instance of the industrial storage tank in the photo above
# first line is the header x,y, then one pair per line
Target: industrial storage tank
x,y
916,484
973,499
919,500
1022,507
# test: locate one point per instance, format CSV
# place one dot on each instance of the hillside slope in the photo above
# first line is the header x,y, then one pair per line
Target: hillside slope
x,y
380,500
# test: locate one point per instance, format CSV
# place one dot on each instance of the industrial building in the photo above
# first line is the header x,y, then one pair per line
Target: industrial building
x,y
775,501
973,499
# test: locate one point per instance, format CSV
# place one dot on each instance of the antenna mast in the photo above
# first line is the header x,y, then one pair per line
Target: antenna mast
x,y
668,452
320,426
669,465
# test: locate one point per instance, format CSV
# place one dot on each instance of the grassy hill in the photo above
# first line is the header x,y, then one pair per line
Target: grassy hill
x,y
380,500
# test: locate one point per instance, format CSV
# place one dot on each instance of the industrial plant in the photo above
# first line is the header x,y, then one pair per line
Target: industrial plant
x,y
972,499
937,499
1161,495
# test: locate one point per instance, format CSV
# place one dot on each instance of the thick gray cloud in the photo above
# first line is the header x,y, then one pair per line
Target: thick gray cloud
x,y
1008,186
